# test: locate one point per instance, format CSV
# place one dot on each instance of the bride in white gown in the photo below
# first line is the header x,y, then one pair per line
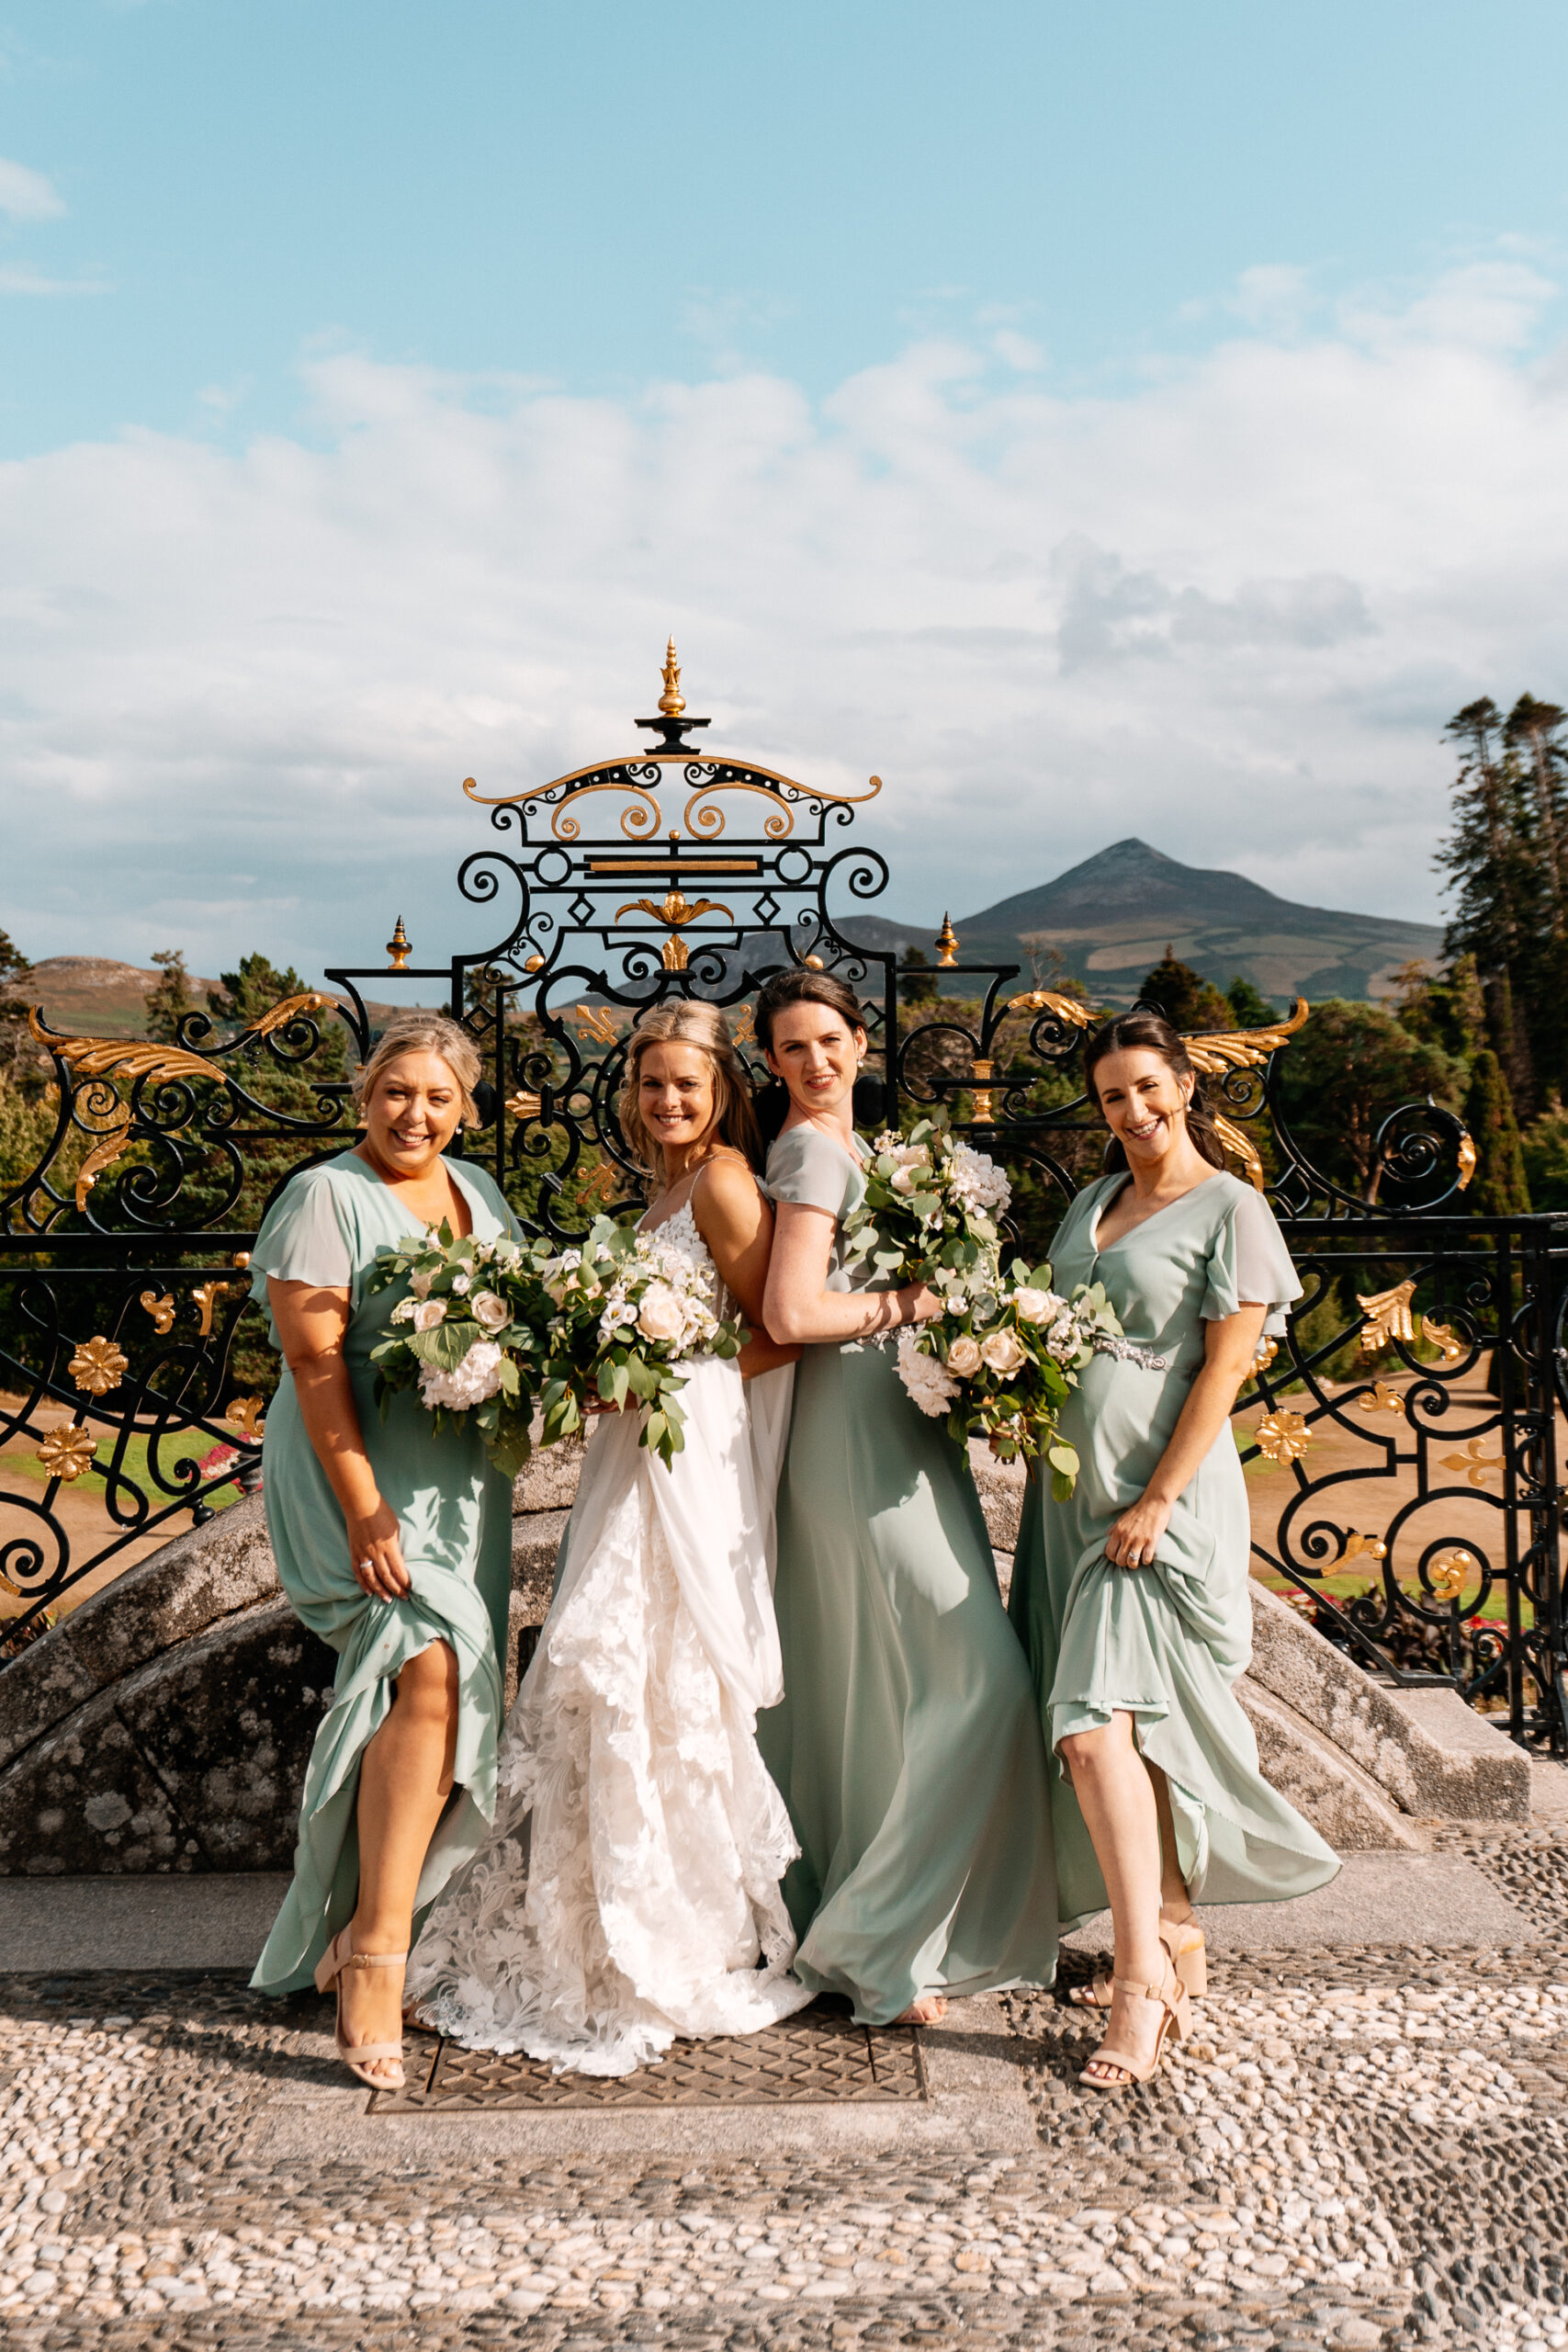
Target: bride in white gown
x,y
628,1891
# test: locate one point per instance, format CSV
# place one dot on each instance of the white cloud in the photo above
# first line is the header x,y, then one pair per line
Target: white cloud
x,y
1229,610
26,195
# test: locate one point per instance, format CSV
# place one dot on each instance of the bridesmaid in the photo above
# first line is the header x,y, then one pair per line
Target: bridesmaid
x,y
1132,1598
394,1543
907,1745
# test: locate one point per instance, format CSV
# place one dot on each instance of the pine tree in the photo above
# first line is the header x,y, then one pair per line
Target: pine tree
x,y
18,1051
1250,1009
1493,855
1188,1000
917,982
1499,1188
170,999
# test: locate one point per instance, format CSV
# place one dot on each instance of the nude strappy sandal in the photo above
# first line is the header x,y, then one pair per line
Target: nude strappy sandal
x,y
1173,1998
1183,1940
355,2056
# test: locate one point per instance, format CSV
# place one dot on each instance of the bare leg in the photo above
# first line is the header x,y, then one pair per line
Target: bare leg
x,y
1117,1799
1174,1899
405,1779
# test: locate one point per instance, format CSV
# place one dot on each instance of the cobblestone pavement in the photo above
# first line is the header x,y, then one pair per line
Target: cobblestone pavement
x,y
1357,2148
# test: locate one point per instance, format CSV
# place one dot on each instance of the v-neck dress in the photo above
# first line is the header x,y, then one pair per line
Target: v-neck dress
x,y
454,1515
907,1745
1164,1644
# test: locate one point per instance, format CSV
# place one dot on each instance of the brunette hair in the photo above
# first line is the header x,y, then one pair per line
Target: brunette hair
x,y
803,986
1151,1033
421,1032
690,1023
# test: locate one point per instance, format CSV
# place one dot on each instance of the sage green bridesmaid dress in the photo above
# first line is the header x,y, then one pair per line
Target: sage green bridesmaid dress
x,y
455,1518
1164,1644
907,1745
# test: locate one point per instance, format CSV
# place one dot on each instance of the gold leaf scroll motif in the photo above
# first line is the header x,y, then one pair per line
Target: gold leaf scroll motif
x,y
602,1185
245,1413
598,1022
1215,1050
1466,1161
1372,1547
1388,1318
1444,1338
1070,1008
1282,1437
1264,1354
67,1453
1241,1147
162,1310
522,1105
1474,1463
207,1295
1381,1398
103,1155
744,1029
288,1009
98,1366
128,1057
1449,1575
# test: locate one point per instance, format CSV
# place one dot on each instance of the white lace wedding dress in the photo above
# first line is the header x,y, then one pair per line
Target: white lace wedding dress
x,y
628,1891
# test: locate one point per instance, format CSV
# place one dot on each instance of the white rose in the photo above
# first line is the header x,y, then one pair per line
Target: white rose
x,y
902,1181
429,1312
1063,1338
421,1280
403,1311
1003,1352
460,1284
660,1316
963,1357
490,1312
1037,1305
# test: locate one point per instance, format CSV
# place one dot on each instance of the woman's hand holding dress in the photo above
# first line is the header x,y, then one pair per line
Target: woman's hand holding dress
x,y
1230,1343
310,1324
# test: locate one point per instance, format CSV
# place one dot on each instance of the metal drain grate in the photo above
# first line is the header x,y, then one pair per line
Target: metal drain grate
x,y
817,2056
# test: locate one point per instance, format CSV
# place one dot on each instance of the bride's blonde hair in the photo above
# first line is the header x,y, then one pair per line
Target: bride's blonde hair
x,y
734,1119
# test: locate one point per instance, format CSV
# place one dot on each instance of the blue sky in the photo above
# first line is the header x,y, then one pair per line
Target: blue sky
x,y
1098,420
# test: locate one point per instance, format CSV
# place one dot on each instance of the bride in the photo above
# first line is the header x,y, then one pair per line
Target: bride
x,y
628,1890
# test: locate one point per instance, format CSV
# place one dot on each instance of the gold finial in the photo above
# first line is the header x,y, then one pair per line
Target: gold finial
x,y
398,949
947,942
672,702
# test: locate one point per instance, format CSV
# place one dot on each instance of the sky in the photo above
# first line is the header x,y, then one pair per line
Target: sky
x,y
1093,421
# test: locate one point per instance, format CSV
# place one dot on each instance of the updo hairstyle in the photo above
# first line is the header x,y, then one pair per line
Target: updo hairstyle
x,y
735,1120
805,986
421,1032
1151,1033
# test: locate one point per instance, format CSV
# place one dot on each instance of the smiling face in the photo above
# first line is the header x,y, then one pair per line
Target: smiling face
x,y
675,1098
1144,1104
413,1114
816,1054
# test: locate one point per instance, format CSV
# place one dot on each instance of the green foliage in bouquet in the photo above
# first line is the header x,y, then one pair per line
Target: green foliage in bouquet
x,y
627,1312
469,1333
930,1208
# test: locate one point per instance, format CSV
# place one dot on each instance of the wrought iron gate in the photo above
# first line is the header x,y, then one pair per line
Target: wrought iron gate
x,y
1414,1401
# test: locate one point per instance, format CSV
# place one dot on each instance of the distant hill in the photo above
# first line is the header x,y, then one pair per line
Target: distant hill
x,y
92,995
1112,918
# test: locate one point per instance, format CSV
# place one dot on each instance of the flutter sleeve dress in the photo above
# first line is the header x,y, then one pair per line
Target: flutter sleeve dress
x,y
1165,1643
907,1746
454,1515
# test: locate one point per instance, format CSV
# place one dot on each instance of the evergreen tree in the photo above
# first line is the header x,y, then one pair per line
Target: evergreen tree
x,y
1350,1067
1444,1007
917,982
1494,856
170,999
1250,1009
1188,1000
1499,1188
18,1052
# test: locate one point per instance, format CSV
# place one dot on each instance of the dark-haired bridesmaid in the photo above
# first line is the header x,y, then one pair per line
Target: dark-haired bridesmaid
x,y
907,1746
1132,1598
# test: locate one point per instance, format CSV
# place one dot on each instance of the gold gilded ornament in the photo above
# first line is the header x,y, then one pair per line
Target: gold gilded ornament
x,y
602,1185
1371,1547
1442,1336
598,1022
1388,1318
1449,1574
946,943
67,1453
1466,1161
1215,1050
1474,1463
98,1366
1381,1398
162,1310
207,1295
289,1008
744,1029
672,702
1241,1147
245,1413
103,1155
398,947
1266,1349
523,1105
676,910
128,1057
1070,1008
981,1072
1283,1437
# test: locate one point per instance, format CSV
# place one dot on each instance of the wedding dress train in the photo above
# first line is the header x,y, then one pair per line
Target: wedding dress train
x,y
628,1891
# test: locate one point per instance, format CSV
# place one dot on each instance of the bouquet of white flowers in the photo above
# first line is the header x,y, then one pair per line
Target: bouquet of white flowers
x,y
930,1207
469,1333
1000,1360
627,1312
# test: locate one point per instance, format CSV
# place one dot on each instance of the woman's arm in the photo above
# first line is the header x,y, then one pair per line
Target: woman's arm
x,y
310,1325
1230,1345
797,1305
737,1222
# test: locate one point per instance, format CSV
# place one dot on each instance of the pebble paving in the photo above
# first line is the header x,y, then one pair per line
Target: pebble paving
x,y
1357,2148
